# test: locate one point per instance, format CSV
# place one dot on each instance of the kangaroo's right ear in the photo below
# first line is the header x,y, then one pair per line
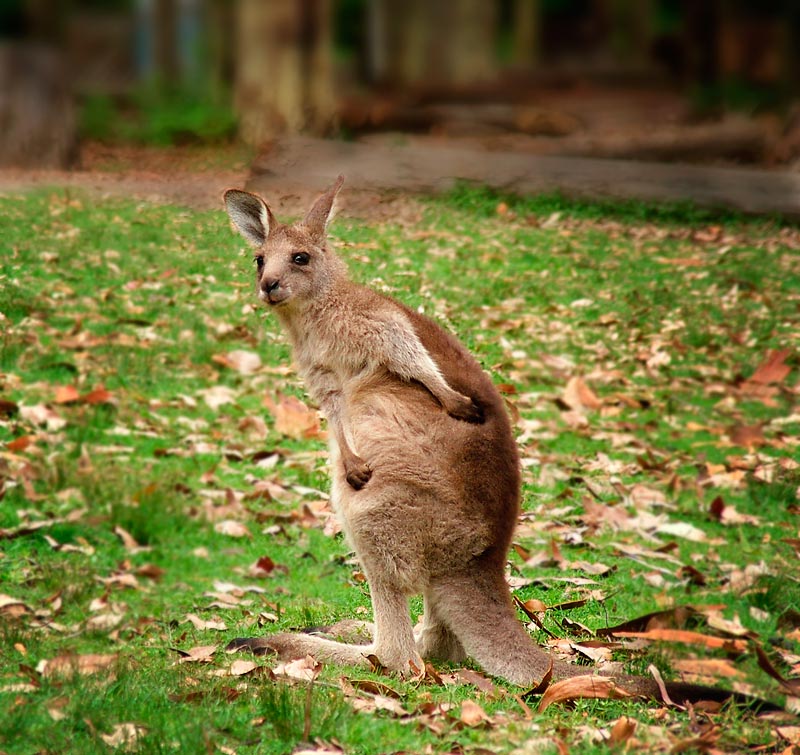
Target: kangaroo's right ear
x,y
250,214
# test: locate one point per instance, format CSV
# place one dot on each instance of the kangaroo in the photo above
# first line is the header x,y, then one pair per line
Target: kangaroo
x,y
424,464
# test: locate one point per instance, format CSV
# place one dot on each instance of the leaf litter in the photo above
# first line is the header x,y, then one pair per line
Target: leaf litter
x,y
652,433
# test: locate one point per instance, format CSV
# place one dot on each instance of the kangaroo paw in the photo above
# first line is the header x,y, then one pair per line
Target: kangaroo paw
x,y
466,410
357,472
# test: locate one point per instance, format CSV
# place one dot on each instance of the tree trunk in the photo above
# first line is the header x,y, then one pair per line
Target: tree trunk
x,y
415,42
165,34
468,41
37,111
527,26
284,77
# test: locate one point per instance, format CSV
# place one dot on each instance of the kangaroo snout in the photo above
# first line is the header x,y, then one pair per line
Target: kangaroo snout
x,y
271,290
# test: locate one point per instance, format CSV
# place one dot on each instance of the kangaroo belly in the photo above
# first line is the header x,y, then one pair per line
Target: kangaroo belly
x,y
442,491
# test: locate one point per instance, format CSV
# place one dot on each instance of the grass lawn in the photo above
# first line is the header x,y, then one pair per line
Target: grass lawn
x,y
164,490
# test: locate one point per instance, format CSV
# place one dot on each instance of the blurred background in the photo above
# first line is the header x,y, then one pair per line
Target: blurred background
x,y
672,80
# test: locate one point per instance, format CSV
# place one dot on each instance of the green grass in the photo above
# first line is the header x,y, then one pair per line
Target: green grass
x,y
665,313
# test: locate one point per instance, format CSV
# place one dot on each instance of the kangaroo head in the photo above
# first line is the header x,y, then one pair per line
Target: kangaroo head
x,y
293,262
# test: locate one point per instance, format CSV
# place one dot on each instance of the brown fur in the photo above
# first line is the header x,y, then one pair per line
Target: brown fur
x,y
424,464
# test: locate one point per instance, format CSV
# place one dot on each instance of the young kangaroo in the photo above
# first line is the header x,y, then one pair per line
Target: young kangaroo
x,y
425,468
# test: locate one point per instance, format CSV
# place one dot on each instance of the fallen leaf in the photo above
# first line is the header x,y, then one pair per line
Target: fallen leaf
x,y
98,395
66,394
622,730
18,445
293,418
217,396
790,733
201,624
683,529
686,637
772,369
8,408
150,571
127,539
244,362
472,714
42,415
125,736
703,669
68,665
12,608
104,622
579,397
304,669
231,528
256,429
264,567
580,687
199,654
747,436
240,667
727,514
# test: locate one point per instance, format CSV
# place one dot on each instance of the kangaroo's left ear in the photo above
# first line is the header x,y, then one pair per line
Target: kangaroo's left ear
x,y
316,220
250,214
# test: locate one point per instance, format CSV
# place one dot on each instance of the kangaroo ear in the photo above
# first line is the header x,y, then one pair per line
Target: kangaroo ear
x,y
250,214
316,220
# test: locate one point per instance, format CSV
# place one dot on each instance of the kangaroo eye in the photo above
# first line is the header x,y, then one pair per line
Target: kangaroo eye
x,y
259,263
301,258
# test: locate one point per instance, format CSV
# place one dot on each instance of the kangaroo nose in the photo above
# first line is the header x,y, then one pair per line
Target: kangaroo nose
x,y
269,285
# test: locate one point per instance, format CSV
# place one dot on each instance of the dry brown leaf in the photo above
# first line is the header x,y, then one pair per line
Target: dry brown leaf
x,y
150,571
199,654
704,669
727,514
255,428
104,622
686,637
483,683
389,704
66,394
125,736
98,395
70,664
579,397
199,623
472,714
18,445
12,608
217,396
240,667
128,541
42,415
244,362
772,369
304,669
747,436
790,733
293,418
121,580
231,528
579,687
622,730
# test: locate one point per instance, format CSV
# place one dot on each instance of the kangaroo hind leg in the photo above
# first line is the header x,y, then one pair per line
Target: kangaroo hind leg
x,y
435,639
476,605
